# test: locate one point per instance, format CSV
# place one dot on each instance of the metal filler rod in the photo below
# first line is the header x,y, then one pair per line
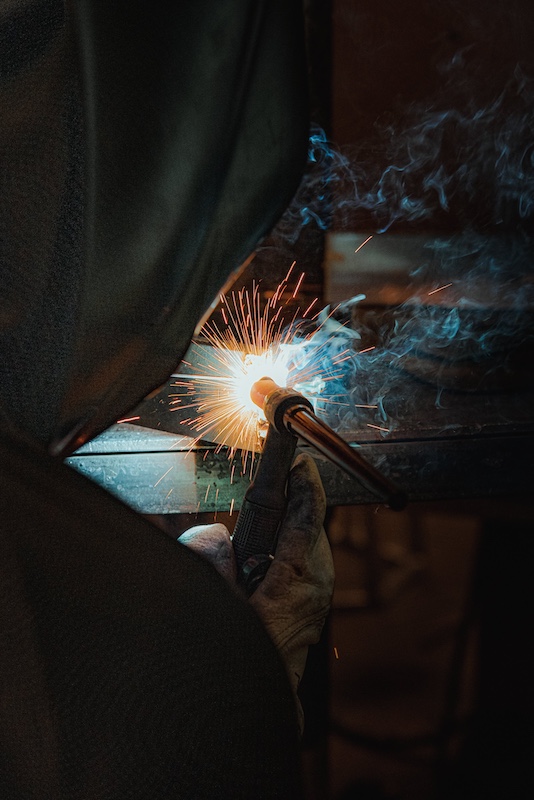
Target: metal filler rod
x,y
290,416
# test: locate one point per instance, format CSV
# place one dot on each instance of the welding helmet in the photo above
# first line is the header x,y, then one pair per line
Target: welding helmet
x,y
146,149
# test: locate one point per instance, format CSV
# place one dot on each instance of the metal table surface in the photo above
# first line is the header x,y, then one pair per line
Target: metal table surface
x,y
470,445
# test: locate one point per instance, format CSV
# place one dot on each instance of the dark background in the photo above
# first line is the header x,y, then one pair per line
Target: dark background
x,y
428,663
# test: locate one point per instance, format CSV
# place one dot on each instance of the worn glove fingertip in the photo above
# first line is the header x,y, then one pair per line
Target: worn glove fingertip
x,y
304,474
306,496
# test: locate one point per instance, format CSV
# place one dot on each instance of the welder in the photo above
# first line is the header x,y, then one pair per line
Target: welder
x,y
146,146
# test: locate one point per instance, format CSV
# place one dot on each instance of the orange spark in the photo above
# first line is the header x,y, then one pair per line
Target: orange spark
x,y
313,302
289,273
297,287
163,476
440,288
363,244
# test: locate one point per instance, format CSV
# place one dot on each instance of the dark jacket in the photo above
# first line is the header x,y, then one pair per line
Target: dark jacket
x,y
145,147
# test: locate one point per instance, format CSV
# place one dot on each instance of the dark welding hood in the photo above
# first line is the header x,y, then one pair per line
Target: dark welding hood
x,y
146,149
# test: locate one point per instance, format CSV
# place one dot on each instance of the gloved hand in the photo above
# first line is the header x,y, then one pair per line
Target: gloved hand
x,y
294,598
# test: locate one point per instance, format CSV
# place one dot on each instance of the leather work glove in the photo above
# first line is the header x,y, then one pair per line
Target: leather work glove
x,y
294,598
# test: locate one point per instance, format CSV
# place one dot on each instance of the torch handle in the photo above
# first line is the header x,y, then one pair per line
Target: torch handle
x,y
256,530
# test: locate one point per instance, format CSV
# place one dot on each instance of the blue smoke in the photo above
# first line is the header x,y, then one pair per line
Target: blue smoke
x,y
474,164
465,169
379,366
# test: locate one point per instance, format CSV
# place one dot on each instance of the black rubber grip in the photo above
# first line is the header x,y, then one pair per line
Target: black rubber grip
x,y
256,531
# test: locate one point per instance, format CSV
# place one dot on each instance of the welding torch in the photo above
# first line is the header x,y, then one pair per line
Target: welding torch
x,y
290,416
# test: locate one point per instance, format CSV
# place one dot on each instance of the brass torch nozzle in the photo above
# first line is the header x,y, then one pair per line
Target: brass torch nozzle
x,y
261,389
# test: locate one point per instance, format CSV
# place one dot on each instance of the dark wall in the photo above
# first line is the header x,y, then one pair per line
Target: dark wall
x,y
397,64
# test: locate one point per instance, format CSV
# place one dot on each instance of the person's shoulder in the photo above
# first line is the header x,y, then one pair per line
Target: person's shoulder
x,y
153,667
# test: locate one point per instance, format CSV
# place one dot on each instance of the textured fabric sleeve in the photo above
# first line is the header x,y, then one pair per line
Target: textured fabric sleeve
x,y
129,669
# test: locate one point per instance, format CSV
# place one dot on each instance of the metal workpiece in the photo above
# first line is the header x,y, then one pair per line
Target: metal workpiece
x,y
156,472
439,445
159,473
435,469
